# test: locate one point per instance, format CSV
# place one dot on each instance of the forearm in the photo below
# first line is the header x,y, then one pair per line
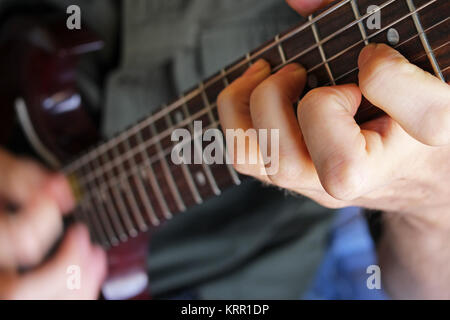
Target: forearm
x,y
414,256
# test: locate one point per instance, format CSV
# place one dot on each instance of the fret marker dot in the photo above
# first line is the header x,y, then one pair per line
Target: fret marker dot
x,y
200,177
312,81
393,37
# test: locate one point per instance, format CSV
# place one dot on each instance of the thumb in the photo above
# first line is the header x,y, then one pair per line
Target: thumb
x,y
306,7
75,272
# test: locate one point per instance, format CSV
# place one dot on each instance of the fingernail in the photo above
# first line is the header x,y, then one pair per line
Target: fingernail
x,y
257,67
366,53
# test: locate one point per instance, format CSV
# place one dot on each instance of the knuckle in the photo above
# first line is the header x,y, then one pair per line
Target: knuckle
x,y
342,178
384,68
317,96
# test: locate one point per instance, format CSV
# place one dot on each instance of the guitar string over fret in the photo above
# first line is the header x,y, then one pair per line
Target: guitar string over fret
x,y
186,173
206,168
119,200
361,26
321,51
150,174
230,168
97,206
106,199
167,173
280,49
131,196
141,191
424,40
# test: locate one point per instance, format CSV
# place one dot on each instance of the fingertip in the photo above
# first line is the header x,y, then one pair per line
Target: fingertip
x,y
365,54
60,189
260,66
293,67
306,7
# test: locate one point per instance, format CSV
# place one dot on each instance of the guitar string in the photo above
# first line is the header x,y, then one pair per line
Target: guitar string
x,y
158,157
155,159
132,152
161,113
217,122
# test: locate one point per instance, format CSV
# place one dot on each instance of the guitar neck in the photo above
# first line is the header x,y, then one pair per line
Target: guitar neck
x,y
129,183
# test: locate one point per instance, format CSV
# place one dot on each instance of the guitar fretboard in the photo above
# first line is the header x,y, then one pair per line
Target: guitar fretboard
x,y
129,183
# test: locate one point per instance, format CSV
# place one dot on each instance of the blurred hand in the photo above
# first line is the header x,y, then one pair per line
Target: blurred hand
x,y
398,163
32,202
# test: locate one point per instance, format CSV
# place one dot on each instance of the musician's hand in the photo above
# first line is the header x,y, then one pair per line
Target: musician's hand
x,y
396,163
32,202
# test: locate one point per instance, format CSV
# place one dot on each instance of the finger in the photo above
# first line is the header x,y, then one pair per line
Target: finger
x,y
271,109
341,151
21,179
26,236
306,7
418,101
234,113
58,278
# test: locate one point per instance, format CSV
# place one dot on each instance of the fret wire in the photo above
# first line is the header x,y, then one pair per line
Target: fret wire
x,y
348,26
94,195
186,172
119,200
360,41
131,197
424,39
249,62
206,169
167,173
236,178
90,214
148,162
160,113
82,217
321,51
152,178
423,6
230,169
357,15
280,49
224,77
402,43
141,190
109,207
313,68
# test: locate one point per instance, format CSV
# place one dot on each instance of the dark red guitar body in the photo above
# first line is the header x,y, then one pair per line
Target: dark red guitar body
x,y
38,61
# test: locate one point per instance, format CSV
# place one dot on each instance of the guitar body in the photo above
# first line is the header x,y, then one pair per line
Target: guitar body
x,y
41,91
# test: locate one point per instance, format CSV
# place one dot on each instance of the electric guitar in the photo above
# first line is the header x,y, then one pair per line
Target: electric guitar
x,y
127,185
